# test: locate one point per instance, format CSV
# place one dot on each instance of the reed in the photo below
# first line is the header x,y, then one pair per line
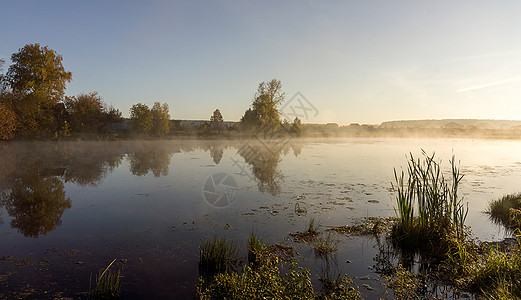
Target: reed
x,y
217,255
256,249
325,245
428,205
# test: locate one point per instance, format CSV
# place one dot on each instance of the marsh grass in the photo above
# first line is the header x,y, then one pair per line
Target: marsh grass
x,y
217,255
506,211
428,206
325,245
313,226
256,249
107,284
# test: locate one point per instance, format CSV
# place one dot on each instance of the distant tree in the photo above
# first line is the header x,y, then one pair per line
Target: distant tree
x,y
7,123
160,119
217,121
141,118
268,97
249,120
36,81
296,127
87,112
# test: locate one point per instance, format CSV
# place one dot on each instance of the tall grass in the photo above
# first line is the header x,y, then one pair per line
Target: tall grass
x,y
506,211
428,205
107,284
217,255
256,250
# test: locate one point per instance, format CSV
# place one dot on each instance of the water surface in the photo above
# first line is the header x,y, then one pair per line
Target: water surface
x,y
70,208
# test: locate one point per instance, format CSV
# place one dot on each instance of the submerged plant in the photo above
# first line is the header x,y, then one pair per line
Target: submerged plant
x,y
428,205
217,255
107,284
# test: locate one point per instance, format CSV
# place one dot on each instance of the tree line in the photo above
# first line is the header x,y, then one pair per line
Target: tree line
x,y
33,104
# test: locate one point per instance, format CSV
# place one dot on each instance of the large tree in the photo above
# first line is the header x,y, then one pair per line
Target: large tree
x,y
36,82
140,118
160,119
264,113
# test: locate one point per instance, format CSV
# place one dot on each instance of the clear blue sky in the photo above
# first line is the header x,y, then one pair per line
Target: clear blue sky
x,y
355,61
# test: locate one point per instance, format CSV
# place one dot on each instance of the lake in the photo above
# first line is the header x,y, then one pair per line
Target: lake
x,y
68,209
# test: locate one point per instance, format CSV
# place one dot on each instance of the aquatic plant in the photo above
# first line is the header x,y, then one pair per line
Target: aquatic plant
x,y
267,282
313,226
325,245
107,284
506,211
428,206
256,249
217,255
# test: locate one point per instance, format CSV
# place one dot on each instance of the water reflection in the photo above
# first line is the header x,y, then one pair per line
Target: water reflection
x,y
264,163
33,174
36,204
154,158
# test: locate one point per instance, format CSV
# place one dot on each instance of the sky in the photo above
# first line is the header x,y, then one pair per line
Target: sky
x,y
350,61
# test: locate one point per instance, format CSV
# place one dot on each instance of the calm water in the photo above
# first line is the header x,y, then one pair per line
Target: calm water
x,y
70,208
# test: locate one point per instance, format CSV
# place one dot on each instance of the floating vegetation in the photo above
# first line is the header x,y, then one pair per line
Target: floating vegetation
x,y
259,252
429,209
367,226
217,255
309,234
107,284
506,211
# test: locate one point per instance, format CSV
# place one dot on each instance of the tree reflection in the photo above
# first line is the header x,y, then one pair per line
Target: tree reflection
x,y
155,159
264,161
36,204
216,152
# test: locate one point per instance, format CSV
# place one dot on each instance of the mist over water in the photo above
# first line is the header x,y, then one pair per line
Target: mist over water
x,y
73,207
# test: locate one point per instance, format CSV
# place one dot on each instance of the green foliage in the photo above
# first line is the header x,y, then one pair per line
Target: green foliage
x,y
266,282
440,212
499,275
256,250
264,113
217,255
86,112
160,119
140,118
405,284
506,211
107,284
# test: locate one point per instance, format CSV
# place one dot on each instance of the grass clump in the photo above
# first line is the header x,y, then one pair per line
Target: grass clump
x,y
506,211
429,208
325,245
313,227
107,284
499,276
217,255
256,249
